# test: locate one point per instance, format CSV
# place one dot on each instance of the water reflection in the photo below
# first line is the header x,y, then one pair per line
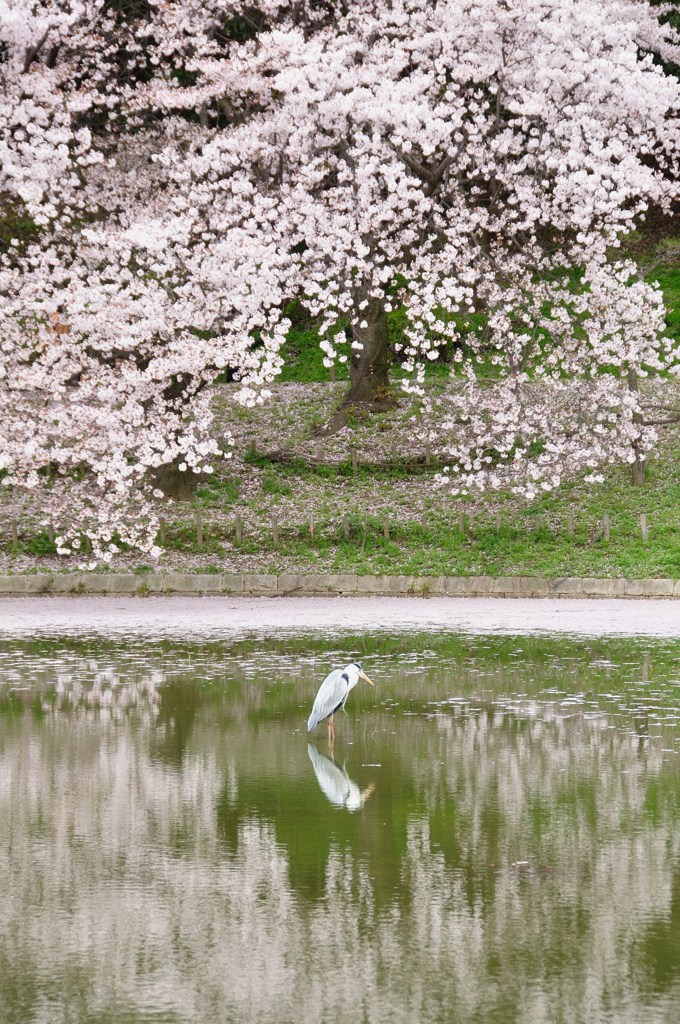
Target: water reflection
x,y
336,784
166,854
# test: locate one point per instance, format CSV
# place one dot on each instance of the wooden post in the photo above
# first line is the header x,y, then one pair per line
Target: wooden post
x,y
199,529
423,522
50,532
238,529
644,529
605,526
14,531
428,454
386,529
311,527
461,523
319,453
570,524
355,461
345,527
333,374
275,532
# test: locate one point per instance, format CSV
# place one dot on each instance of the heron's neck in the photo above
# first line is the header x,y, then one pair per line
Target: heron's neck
x,y
352,677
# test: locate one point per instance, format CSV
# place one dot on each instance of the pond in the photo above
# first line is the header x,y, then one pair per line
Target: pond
x,y
494,836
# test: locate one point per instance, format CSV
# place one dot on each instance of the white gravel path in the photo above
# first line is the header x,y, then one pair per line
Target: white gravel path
x,y
215,617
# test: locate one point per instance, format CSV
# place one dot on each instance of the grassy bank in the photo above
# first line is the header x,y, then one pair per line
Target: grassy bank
x,y
498,536
290,500
386,514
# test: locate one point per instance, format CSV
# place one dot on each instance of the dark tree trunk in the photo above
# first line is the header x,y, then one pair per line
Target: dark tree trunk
x,y
176,484
369,383
640,464
639,469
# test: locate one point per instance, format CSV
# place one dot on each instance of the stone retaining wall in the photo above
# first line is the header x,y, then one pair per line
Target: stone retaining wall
x,y
261,585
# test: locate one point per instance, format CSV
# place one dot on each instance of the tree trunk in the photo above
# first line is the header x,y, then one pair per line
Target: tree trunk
x,y
176,484
369,383
639,468
639,465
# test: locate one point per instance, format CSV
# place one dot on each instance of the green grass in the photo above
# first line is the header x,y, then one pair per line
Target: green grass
x,y
224,491
276,484
519,540
502,536
41,544
303,359
441,550
669,279
518,548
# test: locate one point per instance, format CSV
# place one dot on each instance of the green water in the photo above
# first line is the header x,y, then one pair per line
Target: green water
x,y
495,837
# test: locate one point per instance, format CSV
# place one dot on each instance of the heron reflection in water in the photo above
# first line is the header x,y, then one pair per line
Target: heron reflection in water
x,y
333,694
335,783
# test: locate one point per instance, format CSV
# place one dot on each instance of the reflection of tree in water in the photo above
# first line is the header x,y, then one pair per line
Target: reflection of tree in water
x,y
496,858
517,860
655,959
178,703
493,791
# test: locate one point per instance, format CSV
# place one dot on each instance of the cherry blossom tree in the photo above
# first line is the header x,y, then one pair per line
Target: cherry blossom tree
x,y
116,315
458,158
189,167
462,158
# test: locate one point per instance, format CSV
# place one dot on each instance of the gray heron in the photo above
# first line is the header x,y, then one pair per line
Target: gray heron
x,y
336,784
333,694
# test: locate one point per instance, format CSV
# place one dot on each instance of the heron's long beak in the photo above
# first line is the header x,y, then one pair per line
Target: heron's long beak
x,y
362,675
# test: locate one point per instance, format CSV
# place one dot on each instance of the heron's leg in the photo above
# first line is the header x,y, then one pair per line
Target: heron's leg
x,y
331,732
